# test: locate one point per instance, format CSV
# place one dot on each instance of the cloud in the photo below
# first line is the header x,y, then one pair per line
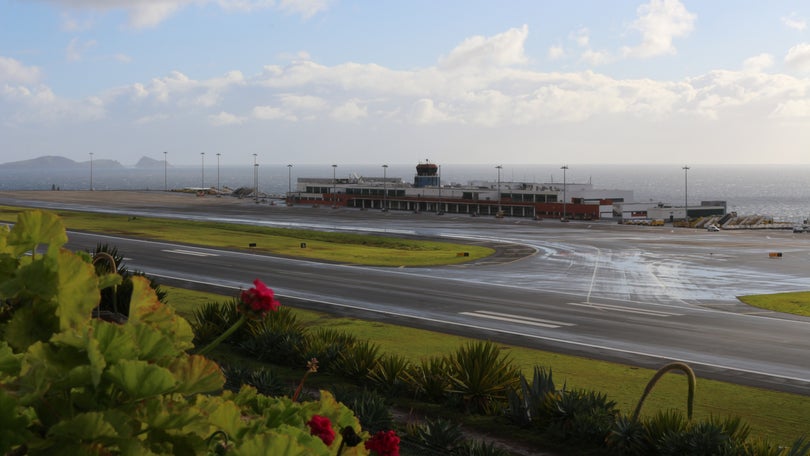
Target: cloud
x,y
556,52
271,113
798,57
794,22
349,111
580,36
659,22
14,72
425,111
225,118
150,13
504,49
76,49
758,63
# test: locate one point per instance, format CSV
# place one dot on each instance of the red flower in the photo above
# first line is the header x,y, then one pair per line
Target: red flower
x,y
321,427
384,443
258,300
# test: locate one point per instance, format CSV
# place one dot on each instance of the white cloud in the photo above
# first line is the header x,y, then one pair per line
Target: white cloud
x,y
271,113
798,57
303,102
556,52
306,8
596,58
76,49
580,36
150,13
659,22
425,111
225,118
349,111
14,72
794,22
504,49
758,63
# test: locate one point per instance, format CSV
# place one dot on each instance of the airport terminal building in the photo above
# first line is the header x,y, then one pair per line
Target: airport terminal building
x,y
427,194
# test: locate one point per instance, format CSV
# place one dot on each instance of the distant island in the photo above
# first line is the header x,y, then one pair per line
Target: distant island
x,y
56,162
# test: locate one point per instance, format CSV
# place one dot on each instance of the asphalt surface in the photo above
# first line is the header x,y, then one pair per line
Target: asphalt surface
x,y
638,295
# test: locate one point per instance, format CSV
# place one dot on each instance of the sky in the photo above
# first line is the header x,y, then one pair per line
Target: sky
x,y
384,81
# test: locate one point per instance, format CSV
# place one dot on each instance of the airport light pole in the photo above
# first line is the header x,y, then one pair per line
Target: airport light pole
x,y
685,193
289,183
218,154
439,184
202,179
499,167
255,179
334,187
91,171
385,188
165,181
565,199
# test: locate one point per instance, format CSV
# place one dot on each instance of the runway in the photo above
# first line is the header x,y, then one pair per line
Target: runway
x,y
638,295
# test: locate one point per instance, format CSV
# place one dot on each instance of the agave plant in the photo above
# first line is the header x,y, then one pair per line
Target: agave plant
x,y
370,407
387,374
438,435
584,416
326,345
526,404
480,375
429,379
357,361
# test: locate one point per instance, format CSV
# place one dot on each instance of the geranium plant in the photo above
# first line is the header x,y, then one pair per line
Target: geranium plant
x,y
71,384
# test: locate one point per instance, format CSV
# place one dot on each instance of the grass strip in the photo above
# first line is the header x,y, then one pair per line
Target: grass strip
x,y
350,248
796,303
778,416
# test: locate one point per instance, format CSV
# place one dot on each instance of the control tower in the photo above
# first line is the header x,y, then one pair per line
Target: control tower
x,y
427,175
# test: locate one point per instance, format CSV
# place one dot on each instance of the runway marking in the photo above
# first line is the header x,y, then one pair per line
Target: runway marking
x,y
614,308
189,252
516,319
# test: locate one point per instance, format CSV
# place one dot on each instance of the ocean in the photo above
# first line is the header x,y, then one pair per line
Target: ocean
x,y
780,191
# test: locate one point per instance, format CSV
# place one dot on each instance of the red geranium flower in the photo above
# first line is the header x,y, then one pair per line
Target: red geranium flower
x,y
258,300
384,443
321,427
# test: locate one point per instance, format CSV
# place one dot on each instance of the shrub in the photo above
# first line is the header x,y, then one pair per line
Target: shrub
x,y
481,376
525,405
279,339
387,374
430,379
584,416
73,384
437,435
327,344
369,406
264,380
356,362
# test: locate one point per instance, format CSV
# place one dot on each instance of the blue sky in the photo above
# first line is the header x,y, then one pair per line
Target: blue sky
x,y
323,81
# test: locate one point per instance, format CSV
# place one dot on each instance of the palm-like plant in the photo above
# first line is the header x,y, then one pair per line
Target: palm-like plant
x,y
525,405
387,374
429,379
481,375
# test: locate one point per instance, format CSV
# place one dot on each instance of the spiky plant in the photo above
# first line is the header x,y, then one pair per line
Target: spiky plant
x,y
327,344
438,435
429,379
481,375
526,403
357,361
583,416
387,375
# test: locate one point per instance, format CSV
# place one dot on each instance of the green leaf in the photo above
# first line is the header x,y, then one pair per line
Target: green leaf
x,y
13,424
284,441
115,341
9,361
84,427
153,345
30,325
228,418
197,374
144,307
109,280
139,379
83,342
77,290
34,228
171,413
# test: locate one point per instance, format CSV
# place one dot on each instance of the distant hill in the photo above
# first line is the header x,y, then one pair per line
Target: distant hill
x,y
54,162
146,162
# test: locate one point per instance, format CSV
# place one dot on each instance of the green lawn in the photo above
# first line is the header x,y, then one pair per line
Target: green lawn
x,y
781,417
326,246
797,303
